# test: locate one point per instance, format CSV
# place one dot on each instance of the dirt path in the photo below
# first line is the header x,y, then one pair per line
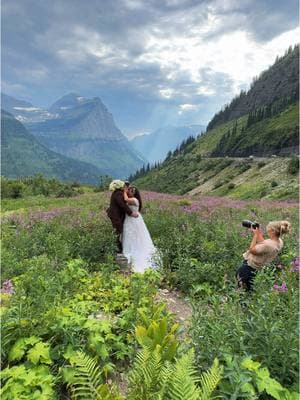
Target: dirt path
x,y
177,305
175,301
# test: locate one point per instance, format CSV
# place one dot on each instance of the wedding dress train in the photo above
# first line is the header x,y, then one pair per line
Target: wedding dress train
x,y
138,247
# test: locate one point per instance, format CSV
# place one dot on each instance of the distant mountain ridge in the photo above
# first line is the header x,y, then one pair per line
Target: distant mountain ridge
x,y
155,146
24,111
84,118
82,129
22,155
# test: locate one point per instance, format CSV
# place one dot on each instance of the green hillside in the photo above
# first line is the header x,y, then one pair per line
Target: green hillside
x,y
274,135
194,168
280,81
235,157
22,155
245,178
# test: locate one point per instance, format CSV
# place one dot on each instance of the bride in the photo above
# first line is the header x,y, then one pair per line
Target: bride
x,y
138,247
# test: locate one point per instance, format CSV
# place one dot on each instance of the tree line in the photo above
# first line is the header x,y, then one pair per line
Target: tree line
x,y
180,149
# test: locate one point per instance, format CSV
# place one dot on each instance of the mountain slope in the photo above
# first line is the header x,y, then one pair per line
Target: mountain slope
x,y
23,111
274,135
269,130
155,146
79,128
22,155
86,131
279,81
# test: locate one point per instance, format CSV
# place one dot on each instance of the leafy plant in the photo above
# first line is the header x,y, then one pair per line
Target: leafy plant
x,y
151,377
245,378
28,383
84,379
265,383
38,353
157,334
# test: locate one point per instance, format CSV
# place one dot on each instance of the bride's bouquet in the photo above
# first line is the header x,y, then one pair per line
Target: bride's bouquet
x,y
116,184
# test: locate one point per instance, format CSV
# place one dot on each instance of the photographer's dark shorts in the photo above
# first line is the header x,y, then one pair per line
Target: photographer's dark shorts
x,y
245,276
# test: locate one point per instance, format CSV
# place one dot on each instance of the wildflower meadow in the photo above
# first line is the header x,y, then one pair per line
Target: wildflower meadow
x,y
74,326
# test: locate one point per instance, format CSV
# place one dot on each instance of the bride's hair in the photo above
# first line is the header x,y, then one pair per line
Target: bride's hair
x,y
137,195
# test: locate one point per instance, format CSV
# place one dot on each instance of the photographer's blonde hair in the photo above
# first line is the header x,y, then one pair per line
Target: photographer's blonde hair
x,y
279,227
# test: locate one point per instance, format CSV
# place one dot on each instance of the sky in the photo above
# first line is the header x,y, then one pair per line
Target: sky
x,y
152,62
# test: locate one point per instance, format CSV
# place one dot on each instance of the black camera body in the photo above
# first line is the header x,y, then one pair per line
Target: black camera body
x,y
249,224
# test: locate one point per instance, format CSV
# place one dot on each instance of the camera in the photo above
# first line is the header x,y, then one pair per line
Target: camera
x,y
249,224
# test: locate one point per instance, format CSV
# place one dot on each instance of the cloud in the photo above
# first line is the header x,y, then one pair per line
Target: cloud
x,y
153,56
187,108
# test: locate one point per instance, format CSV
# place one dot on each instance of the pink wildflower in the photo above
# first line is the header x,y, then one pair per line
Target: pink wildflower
x,y
281,289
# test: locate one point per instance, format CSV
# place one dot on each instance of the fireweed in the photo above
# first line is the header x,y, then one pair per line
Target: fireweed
x,y
201,242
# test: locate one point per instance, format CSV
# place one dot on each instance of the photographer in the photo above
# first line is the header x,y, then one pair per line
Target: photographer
x,y
261,251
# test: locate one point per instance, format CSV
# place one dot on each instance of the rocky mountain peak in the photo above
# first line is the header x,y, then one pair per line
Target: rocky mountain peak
x,y
68,101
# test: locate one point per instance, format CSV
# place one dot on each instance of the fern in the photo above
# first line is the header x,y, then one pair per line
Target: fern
x,y
153,378
210,379
147,374
183,381
85,380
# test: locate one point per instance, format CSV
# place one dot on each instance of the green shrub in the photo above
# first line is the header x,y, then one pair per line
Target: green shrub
x,y
38,185
260,164
274,184
13,189
231,186
218,184
244,166
293,165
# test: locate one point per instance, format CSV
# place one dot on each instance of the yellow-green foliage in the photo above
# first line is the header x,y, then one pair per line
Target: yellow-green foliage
x,y
151,377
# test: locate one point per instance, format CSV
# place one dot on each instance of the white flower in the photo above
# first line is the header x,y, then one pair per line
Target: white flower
x,y
116,184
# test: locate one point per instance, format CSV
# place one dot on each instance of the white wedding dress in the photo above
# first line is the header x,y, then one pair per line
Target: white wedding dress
x,y
138,247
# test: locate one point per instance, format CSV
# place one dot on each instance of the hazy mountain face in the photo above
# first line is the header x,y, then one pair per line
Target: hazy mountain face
x,y
22,155
25,112
82,129
155,146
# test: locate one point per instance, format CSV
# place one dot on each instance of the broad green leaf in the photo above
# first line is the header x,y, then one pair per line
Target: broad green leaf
x,y
69,374
250,364
14,372
39,353
32,340
102,351
248,388
141,334
171,350
17,351
70,354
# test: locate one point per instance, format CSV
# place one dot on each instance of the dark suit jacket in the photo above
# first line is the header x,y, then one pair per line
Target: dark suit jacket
x,y
117,210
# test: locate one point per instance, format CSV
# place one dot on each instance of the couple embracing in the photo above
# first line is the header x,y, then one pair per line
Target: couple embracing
x,y
133,238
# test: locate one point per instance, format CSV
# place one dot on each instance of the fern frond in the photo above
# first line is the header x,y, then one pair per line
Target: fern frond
x,y
183,381
210,379
87,382
146,378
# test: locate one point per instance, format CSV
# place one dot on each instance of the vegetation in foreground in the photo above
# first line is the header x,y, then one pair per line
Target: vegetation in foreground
x,y
73,326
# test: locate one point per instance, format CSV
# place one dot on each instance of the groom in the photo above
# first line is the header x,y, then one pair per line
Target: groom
x,y
118,208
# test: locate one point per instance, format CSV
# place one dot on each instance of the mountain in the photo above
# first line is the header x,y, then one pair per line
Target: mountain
x,y
23,111
155,146
84,129
22,155
278,82
79,128
264,134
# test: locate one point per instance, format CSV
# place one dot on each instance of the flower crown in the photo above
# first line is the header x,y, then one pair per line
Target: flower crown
x,y
116,184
